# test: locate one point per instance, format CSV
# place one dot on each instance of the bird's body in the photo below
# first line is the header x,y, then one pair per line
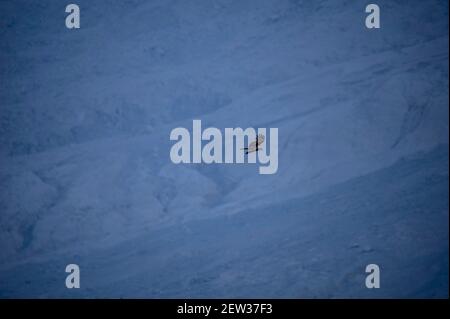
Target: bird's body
x,y
254,146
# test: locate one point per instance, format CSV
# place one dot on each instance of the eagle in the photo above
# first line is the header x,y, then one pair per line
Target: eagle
x,y
254,146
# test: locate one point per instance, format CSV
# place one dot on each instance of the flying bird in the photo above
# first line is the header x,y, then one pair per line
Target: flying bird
x,y
254,146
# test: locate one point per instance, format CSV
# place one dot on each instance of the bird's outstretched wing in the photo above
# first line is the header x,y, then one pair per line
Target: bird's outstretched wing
x,y
254,146
260,139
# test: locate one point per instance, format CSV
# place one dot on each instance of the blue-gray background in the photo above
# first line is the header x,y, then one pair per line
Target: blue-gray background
x,y
86,178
